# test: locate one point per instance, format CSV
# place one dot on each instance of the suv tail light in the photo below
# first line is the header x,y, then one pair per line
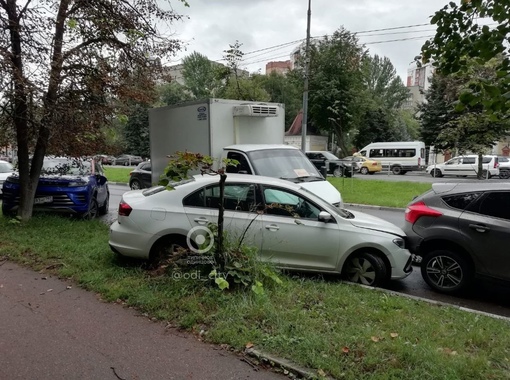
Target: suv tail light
x,y
124,209
419,209
419,162
496,163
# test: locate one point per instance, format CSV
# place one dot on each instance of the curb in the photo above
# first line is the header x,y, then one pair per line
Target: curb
x,y
387,208
118,183
287,366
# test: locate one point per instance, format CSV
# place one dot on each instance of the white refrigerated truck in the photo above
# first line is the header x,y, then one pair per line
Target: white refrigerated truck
x,y
249,132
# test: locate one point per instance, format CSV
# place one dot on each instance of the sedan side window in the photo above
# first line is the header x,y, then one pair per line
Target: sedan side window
x,y
238,197
496,204
284,203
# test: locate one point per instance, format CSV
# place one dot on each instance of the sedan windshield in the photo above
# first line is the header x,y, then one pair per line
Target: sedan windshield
x,y
66,166
330,156
283,163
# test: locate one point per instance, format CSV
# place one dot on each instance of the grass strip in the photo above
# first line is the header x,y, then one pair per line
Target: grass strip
x,y
117,174
345,331
378,193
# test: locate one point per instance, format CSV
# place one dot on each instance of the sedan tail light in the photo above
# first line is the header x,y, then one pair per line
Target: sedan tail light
x,y
124,209
419,209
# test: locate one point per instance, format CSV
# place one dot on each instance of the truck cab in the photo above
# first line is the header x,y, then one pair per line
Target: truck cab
x,y
283,162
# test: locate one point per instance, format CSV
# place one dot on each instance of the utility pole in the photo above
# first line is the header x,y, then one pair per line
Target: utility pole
x,y
307,69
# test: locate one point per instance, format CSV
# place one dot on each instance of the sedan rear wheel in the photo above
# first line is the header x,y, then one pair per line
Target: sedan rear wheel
x,y
169,248
365,268
364,170
446,271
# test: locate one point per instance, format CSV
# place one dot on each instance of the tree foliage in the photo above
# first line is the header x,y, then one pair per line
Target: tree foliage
x,y
459,38
202,76
68,66
468,128
384,86
335,82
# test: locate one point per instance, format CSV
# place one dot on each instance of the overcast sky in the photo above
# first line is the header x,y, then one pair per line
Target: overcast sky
x,y
261,24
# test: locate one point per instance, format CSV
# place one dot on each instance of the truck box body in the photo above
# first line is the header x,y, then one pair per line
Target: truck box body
x,y
241,130
208,126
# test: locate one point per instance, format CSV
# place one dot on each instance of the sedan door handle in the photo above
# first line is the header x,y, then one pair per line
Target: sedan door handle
x,y
479,227
201,220
272,227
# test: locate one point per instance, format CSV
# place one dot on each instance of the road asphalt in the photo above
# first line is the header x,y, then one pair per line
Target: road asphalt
x,y
52,329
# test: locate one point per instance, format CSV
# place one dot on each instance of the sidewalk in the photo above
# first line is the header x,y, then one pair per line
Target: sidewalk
x,y
51,329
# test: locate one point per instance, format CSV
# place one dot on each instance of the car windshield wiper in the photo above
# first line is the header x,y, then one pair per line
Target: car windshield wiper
x,y
309,178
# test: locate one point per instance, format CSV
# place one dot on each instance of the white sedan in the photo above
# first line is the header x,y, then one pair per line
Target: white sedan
x,y
290,226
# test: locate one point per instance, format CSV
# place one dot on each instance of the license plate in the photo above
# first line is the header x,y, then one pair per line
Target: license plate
x,y
41,200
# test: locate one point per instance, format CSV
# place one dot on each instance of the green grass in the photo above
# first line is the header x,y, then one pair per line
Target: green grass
x,y
380,193
117,174
346,331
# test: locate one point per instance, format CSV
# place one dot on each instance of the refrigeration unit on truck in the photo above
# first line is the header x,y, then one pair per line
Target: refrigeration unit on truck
x,y
249,132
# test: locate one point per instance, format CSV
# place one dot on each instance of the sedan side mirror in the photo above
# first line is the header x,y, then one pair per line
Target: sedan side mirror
x,y
325,217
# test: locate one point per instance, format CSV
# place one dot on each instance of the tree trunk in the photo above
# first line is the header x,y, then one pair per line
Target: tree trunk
x,y
480,167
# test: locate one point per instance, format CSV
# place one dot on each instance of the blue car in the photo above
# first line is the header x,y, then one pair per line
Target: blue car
x,y
66,185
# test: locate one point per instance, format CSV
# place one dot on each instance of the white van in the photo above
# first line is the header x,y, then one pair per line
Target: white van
x,y
464,166
398,156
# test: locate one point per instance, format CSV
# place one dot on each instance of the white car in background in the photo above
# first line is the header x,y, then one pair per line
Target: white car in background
x,y
290,226
6,169
463,166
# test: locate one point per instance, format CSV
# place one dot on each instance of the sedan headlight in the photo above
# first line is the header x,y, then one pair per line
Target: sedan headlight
x,y
400,242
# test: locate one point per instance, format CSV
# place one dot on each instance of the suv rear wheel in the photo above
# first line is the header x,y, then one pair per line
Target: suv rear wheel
x,y
446,271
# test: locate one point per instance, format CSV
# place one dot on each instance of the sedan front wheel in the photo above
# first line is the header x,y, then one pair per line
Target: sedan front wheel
x,y
365,268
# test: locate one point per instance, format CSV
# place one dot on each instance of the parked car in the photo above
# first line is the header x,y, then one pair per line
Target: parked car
x,y
128,159
141,177
365,165
66,185
461,231
504,167
105,159
6,170
5,158
334,165
289,225
466,166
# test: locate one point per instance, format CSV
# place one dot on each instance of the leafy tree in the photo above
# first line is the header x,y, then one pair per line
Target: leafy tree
x,y
136,131
286,89
375,126
172,93
384,87
459,38
335,84
468,128
438,111
238,85
70,65
201,76
245,89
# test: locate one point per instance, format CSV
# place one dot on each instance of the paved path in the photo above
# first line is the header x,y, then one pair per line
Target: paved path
x,y
68,333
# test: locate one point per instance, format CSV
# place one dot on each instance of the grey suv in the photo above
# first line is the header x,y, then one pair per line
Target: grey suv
x,y
461,231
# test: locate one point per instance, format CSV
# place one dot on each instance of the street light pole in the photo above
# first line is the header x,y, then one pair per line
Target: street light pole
x,y
305,87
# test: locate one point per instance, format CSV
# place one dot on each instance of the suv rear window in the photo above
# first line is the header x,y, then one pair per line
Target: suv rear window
x,y
460,201
486,160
